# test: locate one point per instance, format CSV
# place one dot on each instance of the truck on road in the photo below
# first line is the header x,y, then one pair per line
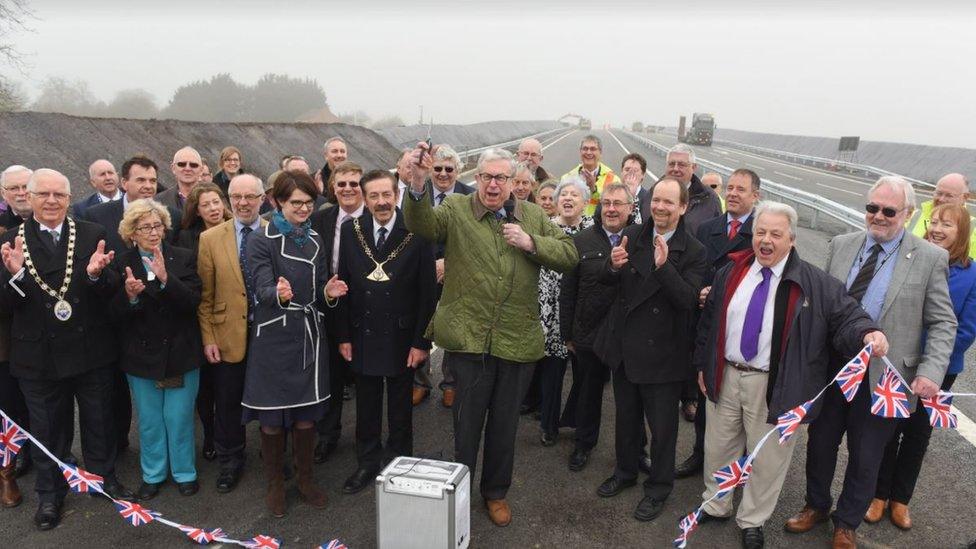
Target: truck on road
x,y
701,131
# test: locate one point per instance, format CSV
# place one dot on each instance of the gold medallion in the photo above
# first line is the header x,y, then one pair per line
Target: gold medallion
x,y
378,274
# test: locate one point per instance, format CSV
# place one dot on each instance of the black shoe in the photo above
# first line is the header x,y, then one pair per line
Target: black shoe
x,y
323,450
527,409
644,464
705,517
188,488
24,462
115,490
148,490
752,538
48,515
578,459
648,509
690,467
227,480
359,481
548,439
613,486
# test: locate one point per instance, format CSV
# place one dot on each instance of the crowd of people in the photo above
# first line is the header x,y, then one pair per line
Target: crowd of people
x,y
249,300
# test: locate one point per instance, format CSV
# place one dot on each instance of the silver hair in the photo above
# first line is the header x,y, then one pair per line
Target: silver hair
x,y
899,184
524,167
325,146
446,152
16,168
258,185
681,148
778,208
91,167
190,149
592,138
618,187
496,154
573,181
32,182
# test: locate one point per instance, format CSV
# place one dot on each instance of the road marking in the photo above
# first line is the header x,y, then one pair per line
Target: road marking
x,y
965,426
839,189
654,177
560,138
789,176
802,168
755,167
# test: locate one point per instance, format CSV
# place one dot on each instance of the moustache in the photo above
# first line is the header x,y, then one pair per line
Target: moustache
x,y
383,207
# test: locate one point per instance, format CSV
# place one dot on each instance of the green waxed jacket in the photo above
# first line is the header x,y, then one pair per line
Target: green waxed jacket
x,y
490,302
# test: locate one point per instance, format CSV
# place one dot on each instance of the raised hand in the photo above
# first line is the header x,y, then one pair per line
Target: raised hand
x,y
660,251
99,260
13,256
133,286
335,288
157,264
589,179
421,164
515,236
619,255
345,349
284,290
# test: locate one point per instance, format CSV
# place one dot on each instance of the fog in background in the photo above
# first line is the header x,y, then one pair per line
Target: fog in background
x,y
879,71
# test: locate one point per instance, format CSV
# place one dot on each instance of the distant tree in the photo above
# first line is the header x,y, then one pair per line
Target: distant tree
x,y
359,118
391,121
134,103
281,98
60,95
220,99
13,17
12,97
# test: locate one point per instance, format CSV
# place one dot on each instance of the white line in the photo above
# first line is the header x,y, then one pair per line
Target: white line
x,y
801,168
965,426
755,167
559,139
839,189
654,177
789,176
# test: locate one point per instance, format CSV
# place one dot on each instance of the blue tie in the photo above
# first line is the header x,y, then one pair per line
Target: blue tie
x,y
242,257
381,239
749,344
615,240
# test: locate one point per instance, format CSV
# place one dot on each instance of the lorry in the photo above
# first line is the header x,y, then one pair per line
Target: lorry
x,y
701,131
585,124
637,127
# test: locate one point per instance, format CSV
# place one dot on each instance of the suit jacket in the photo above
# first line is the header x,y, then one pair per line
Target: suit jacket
x,y
647,329
713,234
43,347
159,336
324,222
109,215
222,313
10,220
170,198
917,315
383,320
78,210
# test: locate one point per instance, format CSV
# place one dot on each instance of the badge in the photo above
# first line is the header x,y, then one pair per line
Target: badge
x,y
378,274
62,310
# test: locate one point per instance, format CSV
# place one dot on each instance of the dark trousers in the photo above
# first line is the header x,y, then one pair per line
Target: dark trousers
x,y
228,432
330,426
370,452
659,402
568,418
904,453
533,393
12,401
489,391
867,435
699,449
205,403
593,375
551,371
122,406
51,406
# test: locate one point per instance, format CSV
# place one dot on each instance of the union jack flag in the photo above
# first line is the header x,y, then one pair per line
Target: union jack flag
x,y
134,513
938,408
850,376
201,536
688,525
334,544
789,422
12,439
263,542
888,399
80,480
732,475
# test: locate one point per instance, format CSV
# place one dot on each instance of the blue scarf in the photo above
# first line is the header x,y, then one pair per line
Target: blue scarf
x,y
298,235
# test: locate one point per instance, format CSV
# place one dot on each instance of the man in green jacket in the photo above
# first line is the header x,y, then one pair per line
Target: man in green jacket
x,y
487,320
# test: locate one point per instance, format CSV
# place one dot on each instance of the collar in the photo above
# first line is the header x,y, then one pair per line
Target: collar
x,y
125,202
102,198
436,192
388,226
480,210
609,234
43,227
889,246
344,214
777,268
742,219
667,236
254,226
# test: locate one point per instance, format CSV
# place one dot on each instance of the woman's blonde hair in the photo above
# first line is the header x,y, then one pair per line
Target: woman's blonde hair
x,y
135,211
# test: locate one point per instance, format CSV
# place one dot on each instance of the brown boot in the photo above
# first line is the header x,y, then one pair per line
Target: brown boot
x,y
273,454
844,538
448,400
876,510
304,447
420,394
9,491
900,516
805,520
499,512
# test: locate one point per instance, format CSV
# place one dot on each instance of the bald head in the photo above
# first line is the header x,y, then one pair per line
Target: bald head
x,y
187,167
246,193
952,188
530,152
103,178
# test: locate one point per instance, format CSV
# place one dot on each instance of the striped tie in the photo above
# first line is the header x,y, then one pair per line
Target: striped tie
x,y
863,279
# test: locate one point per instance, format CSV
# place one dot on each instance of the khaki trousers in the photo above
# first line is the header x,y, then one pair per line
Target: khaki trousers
x,y
735,425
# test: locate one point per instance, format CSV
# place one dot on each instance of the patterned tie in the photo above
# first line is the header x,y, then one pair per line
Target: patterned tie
x,y
749,344
52,238
242,257
440,198
863,279
499,215
614,240
381,239
734,228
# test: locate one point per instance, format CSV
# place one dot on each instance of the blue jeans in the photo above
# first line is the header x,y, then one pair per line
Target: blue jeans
x,y
166,441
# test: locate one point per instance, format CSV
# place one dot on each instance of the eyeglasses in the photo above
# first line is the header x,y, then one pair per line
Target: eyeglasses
x,y
887,212
448,169
589,149
245,197
529,154
232,160
16,188
193,165
344,184
614,203
149,229
500,178
60,197
301,204
676,164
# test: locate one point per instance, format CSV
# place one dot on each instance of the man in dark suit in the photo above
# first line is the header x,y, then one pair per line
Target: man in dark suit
x,y
721,236
328,222
381,322
646,341
105,181
13,186
633,168
63,348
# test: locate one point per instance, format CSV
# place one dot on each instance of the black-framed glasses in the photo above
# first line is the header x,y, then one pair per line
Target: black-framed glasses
x,y
193,165
446,169
301,204
148,229
501,178
886,211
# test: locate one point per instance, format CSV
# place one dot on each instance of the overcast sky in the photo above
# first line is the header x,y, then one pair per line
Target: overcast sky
x,y
882,72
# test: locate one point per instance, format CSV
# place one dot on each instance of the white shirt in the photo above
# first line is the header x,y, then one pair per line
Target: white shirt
x,y
343,215
437,192
103,199
735,316
45,229
667,236
403,192
388,227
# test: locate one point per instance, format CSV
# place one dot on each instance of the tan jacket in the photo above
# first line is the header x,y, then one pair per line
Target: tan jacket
x,y
223,304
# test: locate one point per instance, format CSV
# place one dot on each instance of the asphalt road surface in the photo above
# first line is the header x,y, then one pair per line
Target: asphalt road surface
x,y
552,507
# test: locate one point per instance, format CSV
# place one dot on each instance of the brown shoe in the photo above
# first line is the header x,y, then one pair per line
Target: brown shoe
x,y
420,394
498,511
273,455
448,400
805,520
304,449
9,491
900,516
876,510
844,538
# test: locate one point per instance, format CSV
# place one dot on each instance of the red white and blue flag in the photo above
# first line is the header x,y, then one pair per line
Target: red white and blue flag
x,y
940,412
789,422
850,376
263,542
688,525
12,439
889,398
334,544
80,480
134,513
732,475
201,536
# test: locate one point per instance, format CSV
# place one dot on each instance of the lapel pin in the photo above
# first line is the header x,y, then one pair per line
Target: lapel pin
x,y
909,256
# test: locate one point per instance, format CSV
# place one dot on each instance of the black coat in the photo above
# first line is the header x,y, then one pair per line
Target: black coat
x,y
324,223
109,215
647,330
78,209
160,334
43,347
10,220
189,237
713,234
383,320
703,204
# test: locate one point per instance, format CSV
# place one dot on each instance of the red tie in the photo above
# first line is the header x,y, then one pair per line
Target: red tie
x,y
734,228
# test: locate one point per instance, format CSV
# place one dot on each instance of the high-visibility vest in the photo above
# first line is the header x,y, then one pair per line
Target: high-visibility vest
x,y
604,176
918,225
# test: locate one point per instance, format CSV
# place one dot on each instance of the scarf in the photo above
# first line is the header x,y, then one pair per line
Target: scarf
x,y
298,235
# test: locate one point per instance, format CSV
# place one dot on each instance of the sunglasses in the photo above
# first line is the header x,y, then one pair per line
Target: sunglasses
x,y
344,184
193,165
887,212
448,169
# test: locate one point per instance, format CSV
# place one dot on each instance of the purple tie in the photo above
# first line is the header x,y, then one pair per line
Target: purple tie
x,y
749,344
